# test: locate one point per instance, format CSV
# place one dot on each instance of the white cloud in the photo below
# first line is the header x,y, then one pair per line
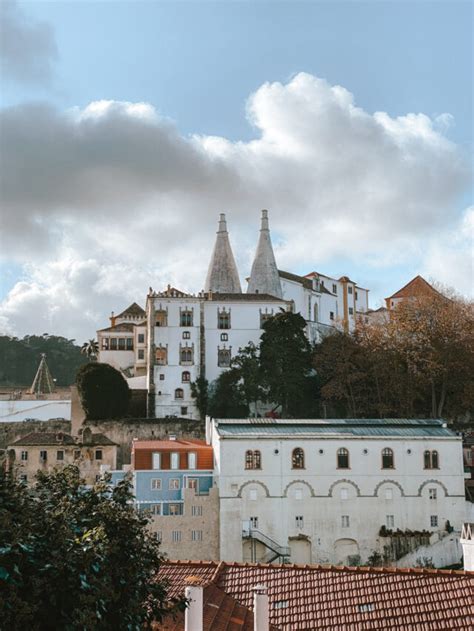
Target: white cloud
x,y
108,200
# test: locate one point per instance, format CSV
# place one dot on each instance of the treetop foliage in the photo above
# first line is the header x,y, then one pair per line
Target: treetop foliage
x,y
73,557
103,391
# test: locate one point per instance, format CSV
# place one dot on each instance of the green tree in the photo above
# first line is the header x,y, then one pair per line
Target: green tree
x,y
73,557
200,393
103,391
226,397
285,361
90,349
246,365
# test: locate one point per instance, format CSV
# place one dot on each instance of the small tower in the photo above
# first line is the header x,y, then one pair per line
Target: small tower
x,y
222,276
264,277
43,382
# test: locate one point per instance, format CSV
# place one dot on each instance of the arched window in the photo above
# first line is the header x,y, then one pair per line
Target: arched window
x,y
343,458
297,458
430,459
253,459
179,393
185,376
387,458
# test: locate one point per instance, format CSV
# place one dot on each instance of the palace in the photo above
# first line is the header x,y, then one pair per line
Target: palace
x,y
181,336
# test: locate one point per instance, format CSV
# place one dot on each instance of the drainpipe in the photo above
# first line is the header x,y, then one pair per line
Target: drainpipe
x,y
260,608
193,616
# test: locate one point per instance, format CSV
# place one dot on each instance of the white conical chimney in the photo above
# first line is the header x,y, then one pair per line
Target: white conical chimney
x,y
264,277
193,616
467,542
222,276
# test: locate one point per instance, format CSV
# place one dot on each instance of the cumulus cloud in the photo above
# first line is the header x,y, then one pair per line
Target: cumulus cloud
x,y
27,48
116,186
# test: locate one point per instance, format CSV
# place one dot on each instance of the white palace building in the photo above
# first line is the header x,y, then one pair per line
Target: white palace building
x,y
181,336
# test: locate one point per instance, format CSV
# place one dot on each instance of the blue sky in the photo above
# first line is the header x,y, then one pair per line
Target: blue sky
x,y
197,63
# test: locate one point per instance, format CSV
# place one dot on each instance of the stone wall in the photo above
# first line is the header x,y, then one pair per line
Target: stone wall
x,y
9,432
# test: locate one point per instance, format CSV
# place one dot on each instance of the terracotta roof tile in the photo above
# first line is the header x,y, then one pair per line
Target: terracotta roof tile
x,y
418,286
44,438
340,598
171,444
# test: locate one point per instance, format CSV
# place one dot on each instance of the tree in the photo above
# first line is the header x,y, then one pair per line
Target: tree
x,y
246,365
200,393
103,391
285,360
226,397
73,557
91,350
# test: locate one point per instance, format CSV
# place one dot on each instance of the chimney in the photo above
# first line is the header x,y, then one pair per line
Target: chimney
x,y
112,319
467,542
193,616
260,608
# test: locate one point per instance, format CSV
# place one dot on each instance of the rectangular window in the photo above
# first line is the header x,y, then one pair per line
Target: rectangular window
x,y
299,521
334,289
161,356
388,494
161,318
156,460
121,344
159,536
253,522
196,535
98,454
141,338
113,343
344,494
186,335
356,295
43,455
223,319
156,484
162,377
224,337
193,483
434,521
351,311
176,536
390,521
174,460
349,289
24,455
331,315
196,511
60,455
104,343
175,509
186,318
432,493
192,460
184,411
174,484
154,509
129,343
345,521
141,353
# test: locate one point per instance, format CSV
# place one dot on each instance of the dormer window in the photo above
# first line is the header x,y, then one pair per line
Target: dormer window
x,y
223,319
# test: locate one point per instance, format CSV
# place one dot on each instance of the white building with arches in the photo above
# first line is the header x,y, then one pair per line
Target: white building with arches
x,y
336,491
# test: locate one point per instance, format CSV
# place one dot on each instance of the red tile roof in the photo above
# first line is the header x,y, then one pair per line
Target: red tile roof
x,y
418,286
341,598
192,443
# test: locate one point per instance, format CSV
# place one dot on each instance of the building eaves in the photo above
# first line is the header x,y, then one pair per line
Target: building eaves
x,y
119,328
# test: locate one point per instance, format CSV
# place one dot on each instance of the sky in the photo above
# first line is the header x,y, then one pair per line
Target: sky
x,y
127,127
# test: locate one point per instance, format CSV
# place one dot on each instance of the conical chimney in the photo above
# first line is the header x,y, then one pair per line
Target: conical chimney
x,y
222,276
264,277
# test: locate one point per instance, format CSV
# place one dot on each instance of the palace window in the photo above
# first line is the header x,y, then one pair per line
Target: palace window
x,y
186,355
390,521
77,454
141,353
316,313
331,315
431,459
161,317
351,311
159,535
349,289
175,509
387,458
156,459
223,319
196,535
343,458
113,343
253,459
176,535
105,343
141,338
184,411
129,343
175,460
185,376
356,295
196,511
253,522
121,344
224,356
434,521
179,393
154,509
186,335
162,376
297,458
186,318
299,521
193,483
224,337
161,356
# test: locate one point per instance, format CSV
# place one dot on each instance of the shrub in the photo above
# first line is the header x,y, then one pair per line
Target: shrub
x,y
103,391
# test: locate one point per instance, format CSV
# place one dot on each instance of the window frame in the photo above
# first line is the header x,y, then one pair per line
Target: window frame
x,y
343,452
298,458
388,456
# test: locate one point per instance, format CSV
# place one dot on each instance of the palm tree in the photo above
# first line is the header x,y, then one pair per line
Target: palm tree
x,y
91,350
